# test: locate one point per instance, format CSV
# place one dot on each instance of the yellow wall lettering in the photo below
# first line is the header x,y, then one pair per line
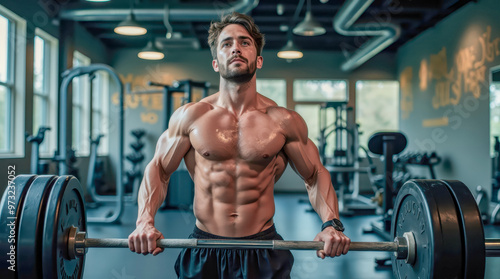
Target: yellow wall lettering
x,y
406,92
149,117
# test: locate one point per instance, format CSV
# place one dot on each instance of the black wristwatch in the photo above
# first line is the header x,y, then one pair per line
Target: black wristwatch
x,y
335,223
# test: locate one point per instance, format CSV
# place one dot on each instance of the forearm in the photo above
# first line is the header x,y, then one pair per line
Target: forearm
x,y
322,195
152,193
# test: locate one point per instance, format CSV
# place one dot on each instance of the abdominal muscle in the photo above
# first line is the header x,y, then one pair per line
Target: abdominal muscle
x,y
233,198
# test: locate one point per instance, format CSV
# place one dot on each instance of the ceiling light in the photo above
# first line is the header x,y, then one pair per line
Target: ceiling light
x,y
290,51
130,27
151,52
309,26
280,9
97,0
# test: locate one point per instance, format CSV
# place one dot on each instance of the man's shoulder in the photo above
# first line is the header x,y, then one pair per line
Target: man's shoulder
x,y
195,110
282,113
292,124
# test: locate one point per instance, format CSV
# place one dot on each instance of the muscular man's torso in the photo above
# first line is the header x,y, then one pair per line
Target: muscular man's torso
x,y
234,162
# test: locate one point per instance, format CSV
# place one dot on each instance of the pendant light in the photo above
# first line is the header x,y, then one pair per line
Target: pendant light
x,y
290,51
309,26
130,27
151,52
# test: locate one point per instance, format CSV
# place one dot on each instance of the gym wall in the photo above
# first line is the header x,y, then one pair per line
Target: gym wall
x,y
445,91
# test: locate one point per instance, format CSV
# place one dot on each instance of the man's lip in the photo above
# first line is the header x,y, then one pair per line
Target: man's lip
x,y
237,60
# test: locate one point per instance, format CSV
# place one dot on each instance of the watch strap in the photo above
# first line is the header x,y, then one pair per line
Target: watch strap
x,y
332,223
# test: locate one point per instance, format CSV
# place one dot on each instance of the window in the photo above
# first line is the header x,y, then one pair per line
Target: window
x,y
6,83
80,111
309,95
274,89
377,107
12,83
45,89
319,90
100,111
494,114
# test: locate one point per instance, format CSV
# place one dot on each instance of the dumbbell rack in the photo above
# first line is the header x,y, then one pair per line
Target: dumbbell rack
x,y
133,176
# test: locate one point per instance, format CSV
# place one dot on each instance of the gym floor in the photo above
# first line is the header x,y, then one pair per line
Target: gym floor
x,y
292,221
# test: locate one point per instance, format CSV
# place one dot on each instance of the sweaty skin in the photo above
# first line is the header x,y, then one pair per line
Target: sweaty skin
x,y
236,145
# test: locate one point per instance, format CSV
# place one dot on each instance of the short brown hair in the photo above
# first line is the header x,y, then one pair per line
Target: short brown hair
x,y
235,18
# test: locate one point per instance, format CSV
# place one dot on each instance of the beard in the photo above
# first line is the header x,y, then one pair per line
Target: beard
x,y
238,74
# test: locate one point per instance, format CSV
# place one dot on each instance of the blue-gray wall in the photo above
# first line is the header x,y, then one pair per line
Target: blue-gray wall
x,y
444,75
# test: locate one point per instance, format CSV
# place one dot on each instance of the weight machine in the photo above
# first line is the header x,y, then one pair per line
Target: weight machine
x,y
68,76
185,86
344,165
495,189
36,167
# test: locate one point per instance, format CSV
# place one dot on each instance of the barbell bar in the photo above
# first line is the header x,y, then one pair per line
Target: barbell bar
x,y
403,247
436,226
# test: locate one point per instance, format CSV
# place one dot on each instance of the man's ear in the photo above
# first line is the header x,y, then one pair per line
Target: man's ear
x,y
215,65
260,61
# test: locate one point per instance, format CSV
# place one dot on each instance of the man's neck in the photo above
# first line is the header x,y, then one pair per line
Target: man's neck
x,y
238,97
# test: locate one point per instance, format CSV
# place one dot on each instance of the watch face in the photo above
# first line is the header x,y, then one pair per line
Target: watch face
x,y
338,223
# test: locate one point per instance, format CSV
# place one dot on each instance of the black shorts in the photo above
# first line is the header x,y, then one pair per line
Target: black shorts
x,y
217,263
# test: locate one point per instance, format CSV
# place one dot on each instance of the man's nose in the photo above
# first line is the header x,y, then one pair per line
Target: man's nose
x,y
236,49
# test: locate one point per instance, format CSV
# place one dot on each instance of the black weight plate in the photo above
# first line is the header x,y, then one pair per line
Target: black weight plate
x,y
471,223
65,208
427,209
30,235
10,211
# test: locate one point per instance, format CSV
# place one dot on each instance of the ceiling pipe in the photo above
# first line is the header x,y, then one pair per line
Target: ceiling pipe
x,y
200,13
385,33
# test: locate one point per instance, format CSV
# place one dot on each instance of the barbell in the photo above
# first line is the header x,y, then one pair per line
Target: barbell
x,y
436,225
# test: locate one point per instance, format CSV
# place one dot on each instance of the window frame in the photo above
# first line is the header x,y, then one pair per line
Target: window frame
x,y
50,96
16,84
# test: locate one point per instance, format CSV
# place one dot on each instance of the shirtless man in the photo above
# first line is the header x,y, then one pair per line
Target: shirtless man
x,y
236,144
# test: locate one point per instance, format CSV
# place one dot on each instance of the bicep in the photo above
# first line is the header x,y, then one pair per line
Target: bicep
x,y
170,150
173,144
303,157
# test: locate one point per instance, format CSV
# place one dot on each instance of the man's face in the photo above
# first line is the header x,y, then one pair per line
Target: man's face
x,y
237,58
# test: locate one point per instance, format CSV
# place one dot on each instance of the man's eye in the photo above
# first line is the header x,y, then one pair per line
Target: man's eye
x,y
225,44
246,43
